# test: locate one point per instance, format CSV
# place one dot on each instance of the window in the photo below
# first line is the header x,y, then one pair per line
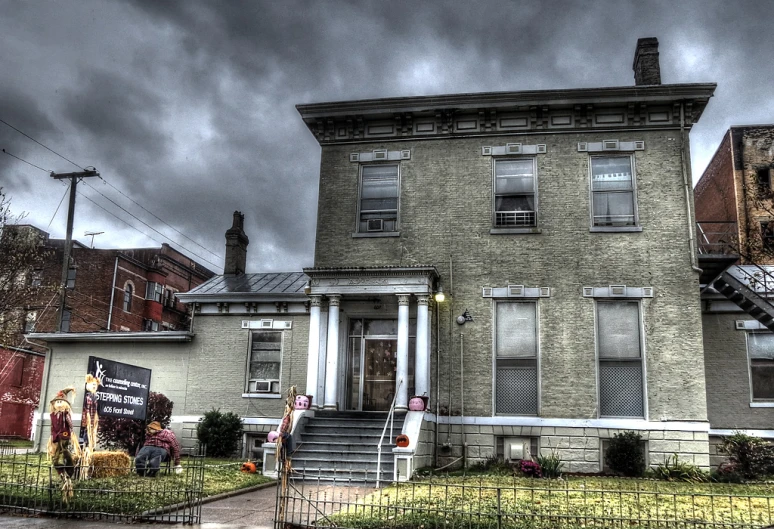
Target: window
x,y
516,353
154,291
150,326
515,193
767,233
29,321
763,180
378,207
169,298
66,316
37,277
128,291
760,351
612,191
71,278
619,346
264,362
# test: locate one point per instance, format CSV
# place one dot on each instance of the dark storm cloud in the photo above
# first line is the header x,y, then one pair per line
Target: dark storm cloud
x,y
189,107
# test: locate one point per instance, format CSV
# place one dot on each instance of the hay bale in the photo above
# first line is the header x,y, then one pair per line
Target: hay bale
x,y
110,464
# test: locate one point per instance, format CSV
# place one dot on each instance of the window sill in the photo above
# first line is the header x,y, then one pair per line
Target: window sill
x,y
762,404
514,231
615,229
261,395
358,235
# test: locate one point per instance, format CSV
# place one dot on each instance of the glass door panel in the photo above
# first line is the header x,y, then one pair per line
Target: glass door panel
x,y
354,368
379,367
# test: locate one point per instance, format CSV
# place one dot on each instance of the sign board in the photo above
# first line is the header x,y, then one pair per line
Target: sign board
x,y
124,390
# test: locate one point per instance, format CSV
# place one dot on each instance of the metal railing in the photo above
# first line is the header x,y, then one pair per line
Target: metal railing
x,y
390,421
717,238
29,485
514,218
479,502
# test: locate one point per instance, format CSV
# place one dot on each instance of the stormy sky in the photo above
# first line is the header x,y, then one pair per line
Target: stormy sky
x,y
187,108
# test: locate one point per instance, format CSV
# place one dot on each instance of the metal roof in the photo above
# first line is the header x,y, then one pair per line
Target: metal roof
x,y
269,284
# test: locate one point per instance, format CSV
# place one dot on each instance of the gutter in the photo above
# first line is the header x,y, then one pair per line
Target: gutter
x,y
112,294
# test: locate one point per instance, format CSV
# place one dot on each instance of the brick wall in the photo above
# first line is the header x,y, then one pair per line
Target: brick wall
x,y
714,192
446,208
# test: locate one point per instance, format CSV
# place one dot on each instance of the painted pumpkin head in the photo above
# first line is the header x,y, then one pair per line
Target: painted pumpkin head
x,y
272,437
402,441
249,467
302,402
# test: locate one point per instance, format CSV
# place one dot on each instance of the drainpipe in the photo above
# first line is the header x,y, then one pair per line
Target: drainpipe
x,y
112,294
43,395
451,318
437,379
687,185
462,401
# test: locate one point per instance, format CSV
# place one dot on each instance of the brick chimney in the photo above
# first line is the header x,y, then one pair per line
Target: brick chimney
x,y
646,68
236,247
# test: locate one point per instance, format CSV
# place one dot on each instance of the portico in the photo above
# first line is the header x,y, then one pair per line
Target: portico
x,y
369,336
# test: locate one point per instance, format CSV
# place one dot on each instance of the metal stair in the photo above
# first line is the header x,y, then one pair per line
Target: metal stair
x,y
750,302
341,447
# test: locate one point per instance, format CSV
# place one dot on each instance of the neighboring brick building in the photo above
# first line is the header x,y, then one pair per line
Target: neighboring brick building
x,y
734,212
108,290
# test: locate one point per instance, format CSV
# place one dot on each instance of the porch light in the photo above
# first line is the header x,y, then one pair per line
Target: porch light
x,y
439,295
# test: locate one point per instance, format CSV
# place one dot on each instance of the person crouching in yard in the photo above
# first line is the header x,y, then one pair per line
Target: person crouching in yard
x,y
160,446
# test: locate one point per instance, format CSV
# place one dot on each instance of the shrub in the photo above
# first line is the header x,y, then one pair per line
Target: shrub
x,y
550,465
493,465
727,473
530,468
129,434
221,432
751,457
675,470
626,455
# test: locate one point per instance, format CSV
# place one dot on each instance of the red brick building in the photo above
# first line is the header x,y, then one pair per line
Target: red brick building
x,y
115,290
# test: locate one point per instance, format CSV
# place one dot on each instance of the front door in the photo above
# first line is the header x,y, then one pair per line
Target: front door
x,y
371,373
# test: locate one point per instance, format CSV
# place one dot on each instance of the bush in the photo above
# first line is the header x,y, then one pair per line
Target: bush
x,y
550,465
727,473
675,470
626,455
530,469
493,465
221,432
129,434
751,457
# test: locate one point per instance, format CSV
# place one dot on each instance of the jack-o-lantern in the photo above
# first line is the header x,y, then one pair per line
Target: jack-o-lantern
x,y
302,402
417,404
402,441
249,467
272,437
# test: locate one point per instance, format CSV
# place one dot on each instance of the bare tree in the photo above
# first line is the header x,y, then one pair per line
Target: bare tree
x,y
20,252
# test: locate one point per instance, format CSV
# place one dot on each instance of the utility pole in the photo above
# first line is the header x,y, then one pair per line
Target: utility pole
x,y
69,238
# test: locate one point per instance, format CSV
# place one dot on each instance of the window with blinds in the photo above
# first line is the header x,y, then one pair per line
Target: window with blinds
x,y
621,385
516,358
760,351
515,193
265,362
378,204
612,191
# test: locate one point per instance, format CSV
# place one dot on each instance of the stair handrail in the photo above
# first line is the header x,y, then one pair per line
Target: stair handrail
x,y
753,280
391,422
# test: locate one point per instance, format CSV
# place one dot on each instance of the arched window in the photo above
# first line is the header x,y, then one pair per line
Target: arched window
x,y
128,290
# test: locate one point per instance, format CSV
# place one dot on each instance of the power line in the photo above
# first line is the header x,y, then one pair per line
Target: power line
x,y
138,230
158,218
25,161
36,141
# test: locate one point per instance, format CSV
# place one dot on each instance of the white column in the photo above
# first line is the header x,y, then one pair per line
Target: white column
x,y
401,402
332,354
313,356
322,359
421,358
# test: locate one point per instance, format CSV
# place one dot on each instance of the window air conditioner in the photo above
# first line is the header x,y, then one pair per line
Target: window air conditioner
x,y
375,225
261,386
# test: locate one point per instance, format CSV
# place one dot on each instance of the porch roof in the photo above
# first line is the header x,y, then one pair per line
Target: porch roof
x,y
285,285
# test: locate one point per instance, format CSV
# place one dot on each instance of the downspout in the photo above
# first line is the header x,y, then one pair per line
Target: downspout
x,y
451,317
462,401
437,379
688,190
112,294
43,395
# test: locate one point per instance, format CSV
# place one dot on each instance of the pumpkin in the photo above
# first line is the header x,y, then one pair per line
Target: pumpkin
x,y
302,402
249,467
417,404
272,437
402,440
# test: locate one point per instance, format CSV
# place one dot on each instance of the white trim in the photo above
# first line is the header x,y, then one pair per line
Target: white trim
x,y
261,396
613,424
762,404
756,433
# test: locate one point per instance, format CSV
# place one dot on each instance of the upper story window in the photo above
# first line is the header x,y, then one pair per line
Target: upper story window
x,y
515,193
763,180
378,202
37,277
613,199
128,292
760,352
154,291
29,321
169,298
264,362
516,358
619,346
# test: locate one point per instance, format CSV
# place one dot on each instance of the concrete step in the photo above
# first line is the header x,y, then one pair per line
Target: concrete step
x,y
351,423
313,426
333,451
342,476
346,459
352,438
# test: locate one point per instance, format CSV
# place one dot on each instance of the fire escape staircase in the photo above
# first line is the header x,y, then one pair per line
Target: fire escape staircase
x,y
743,296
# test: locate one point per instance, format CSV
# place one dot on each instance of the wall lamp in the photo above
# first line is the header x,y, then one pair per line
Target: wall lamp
x,y
439,295
464,318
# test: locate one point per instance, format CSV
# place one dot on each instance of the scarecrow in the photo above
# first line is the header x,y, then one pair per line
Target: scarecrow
x,y
61,447
89,421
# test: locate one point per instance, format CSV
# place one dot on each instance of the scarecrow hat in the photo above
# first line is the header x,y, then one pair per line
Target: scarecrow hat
x,y
62,394
92,378
155,425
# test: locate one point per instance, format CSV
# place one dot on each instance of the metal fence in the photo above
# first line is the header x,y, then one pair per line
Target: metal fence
x,y
717,238
30,485
307,501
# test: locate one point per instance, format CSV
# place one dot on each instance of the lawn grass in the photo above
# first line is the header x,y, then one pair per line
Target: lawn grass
x,y
25,482
475,501
15,443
